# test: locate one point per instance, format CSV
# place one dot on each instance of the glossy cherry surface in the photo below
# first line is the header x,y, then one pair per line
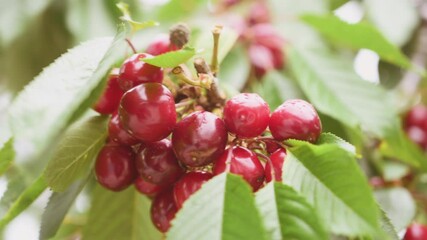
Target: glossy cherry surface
x,y
157,164
147,188
246,115
148,112
117,134
163,210
134,72
277,159
199,139
110,98
296,119
416,232
243,162
189,184
161,44
115,167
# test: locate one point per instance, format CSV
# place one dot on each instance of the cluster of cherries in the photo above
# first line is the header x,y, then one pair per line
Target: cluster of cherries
x,y
169,160
415,124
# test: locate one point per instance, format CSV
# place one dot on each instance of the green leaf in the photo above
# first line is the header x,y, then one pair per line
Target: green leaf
x,y
62,92
234,68
120,216
330,179
382,13
393,171
398,204
178,10
7,155
334,4
124,8
334,89
224,208
57,208
24,200
329,138
171,59
74,155
387,226
287,215
359,35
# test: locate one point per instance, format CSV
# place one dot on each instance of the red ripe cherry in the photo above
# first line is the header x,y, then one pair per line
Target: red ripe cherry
x,y
243,162
161,45
189,184
416,232
261,58
277,159
115,168
246,115
147,188
296,119
117,134
110,99
199,139
157,164
418,136
134,72
259,13
417,116
163,210
267,36
148,112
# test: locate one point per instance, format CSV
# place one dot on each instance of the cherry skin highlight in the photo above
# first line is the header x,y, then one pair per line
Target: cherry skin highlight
x,y
117,134
114,167
147,188
157,164
148,112
163,210
416,232
134,72
243,162
277,159
109,101
199,139
295,119
246,115
189,184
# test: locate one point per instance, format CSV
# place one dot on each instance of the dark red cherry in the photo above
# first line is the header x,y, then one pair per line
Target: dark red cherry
x,y
271,146
147,188
266,35
417,116
416,231
160,45
243,162
148,112
157,164
134,72
296,119
199,139
115,167
277,159
117,134
110,98
163,210
246,115
189,184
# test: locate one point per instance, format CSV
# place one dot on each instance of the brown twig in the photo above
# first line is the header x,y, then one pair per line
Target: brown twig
x,y
215,95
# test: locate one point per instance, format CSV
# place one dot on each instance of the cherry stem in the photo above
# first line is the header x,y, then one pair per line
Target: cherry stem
x,y
216,32
273,173
204,82
228,161
131,45
215,95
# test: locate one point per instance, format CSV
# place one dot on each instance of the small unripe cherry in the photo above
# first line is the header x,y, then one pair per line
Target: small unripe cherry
x,y
163,210
189,184
157,164
416,231
117,134
148,112
277,159
109,101
246,115
147,188
199,139
242,162
134,72
114,167
295,119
